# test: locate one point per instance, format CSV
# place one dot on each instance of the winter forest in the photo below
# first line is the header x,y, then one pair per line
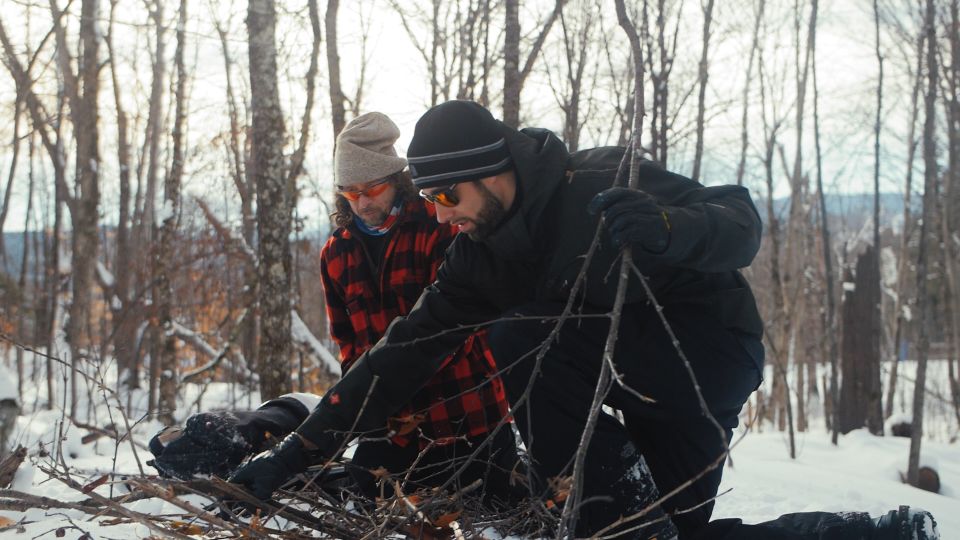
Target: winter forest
x,y
166,174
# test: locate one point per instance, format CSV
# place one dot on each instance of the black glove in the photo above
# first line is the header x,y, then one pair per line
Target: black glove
x,y
208,444
215,443
633,218
269,470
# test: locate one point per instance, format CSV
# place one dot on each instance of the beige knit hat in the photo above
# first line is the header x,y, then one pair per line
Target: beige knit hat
x,y
365,150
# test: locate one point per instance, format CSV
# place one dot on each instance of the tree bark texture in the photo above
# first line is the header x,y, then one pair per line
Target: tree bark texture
x,y
704,72
82,90
511,64
860,392
929,203
274,202
122,313
831,388
337,98
908,227
167,399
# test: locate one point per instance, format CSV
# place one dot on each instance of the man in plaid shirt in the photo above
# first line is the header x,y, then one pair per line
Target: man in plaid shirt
x,y
386,250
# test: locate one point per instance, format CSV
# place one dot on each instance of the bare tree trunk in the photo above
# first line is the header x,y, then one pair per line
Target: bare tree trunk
x,y
876,140
796,264
903,255
744,137
513,74
828,314
124,321
337,98
511,64
929,183
275,199
875,412
82,91
154,119
167,399
12,176
660,77
52,286
24,270
950,203
780,395
238,158
243,180
486,61
145,229
860,395
52,142
704,72
296,161
435,41
577,46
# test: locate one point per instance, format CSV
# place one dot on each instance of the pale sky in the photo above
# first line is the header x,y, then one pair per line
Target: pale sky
x,y
398,85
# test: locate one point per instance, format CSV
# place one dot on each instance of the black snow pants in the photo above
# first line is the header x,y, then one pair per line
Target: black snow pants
x,y
493,466
663,442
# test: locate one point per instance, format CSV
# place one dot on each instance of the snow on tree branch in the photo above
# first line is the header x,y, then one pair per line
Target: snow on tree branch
x,y
302,335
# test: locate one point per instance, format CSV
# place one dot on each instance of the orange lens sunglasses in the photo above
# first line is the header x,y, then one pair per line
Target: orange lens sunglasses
x,y
370,191
445,197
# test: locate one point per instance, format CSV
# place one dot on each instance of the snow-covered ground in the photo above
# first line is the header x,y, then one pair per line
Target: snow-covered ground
x,y
862,473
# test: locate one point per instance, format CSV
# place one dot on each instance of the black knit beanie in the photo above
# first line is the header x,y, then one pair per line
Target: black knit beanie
x,y
457,141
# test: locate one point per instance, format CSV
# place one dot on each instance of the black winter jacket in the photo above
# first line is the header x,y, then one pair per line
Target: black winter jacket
x,y
535,255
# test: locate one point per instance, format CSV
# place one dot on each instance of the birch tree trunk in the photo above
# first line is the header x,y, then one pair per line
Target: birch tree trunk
x,y
154,120
274,201
167,402
145,227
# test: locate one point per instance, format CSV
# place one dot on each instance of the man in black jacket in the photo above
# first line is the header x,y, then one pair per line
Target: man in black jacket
x,y
528,211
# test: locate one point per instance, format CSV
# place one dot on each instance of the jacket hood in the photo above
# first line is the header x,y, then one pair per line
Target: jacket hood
x,y
540,159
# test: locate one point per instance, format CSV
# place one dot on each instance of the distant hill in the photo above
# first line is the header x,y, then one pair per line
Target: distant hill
x,y
851,211
13,243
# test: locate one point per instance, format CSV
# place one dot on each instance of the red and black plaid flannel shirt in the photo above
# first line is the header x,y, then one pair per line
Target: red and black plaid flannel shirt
x,y
464,397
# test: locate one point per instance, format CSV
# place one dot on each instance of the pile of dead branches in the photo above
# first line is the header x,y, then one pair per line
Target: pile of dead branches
x,y
214,508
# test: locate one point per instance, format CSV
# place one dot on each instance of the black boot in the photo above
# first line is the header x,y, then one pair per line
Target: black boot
x,y
906,523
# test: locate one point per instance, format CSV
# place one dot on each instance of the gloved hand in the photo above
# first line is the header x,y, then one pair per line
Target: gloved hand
x,y
269,470
208,444
633,218
214,443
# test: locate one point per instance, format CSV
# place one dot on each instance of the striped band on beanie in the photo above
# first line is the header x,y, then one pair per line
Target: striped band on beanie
x,y
457,141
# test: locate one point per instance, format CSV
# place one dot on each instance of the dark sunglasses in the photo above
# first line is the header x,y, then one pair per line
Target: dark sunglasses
x,y
370,191
445,197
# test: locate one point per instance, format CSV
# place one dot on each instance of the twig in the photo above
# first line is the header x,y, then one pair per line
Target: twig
x,y
143,519
151,489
